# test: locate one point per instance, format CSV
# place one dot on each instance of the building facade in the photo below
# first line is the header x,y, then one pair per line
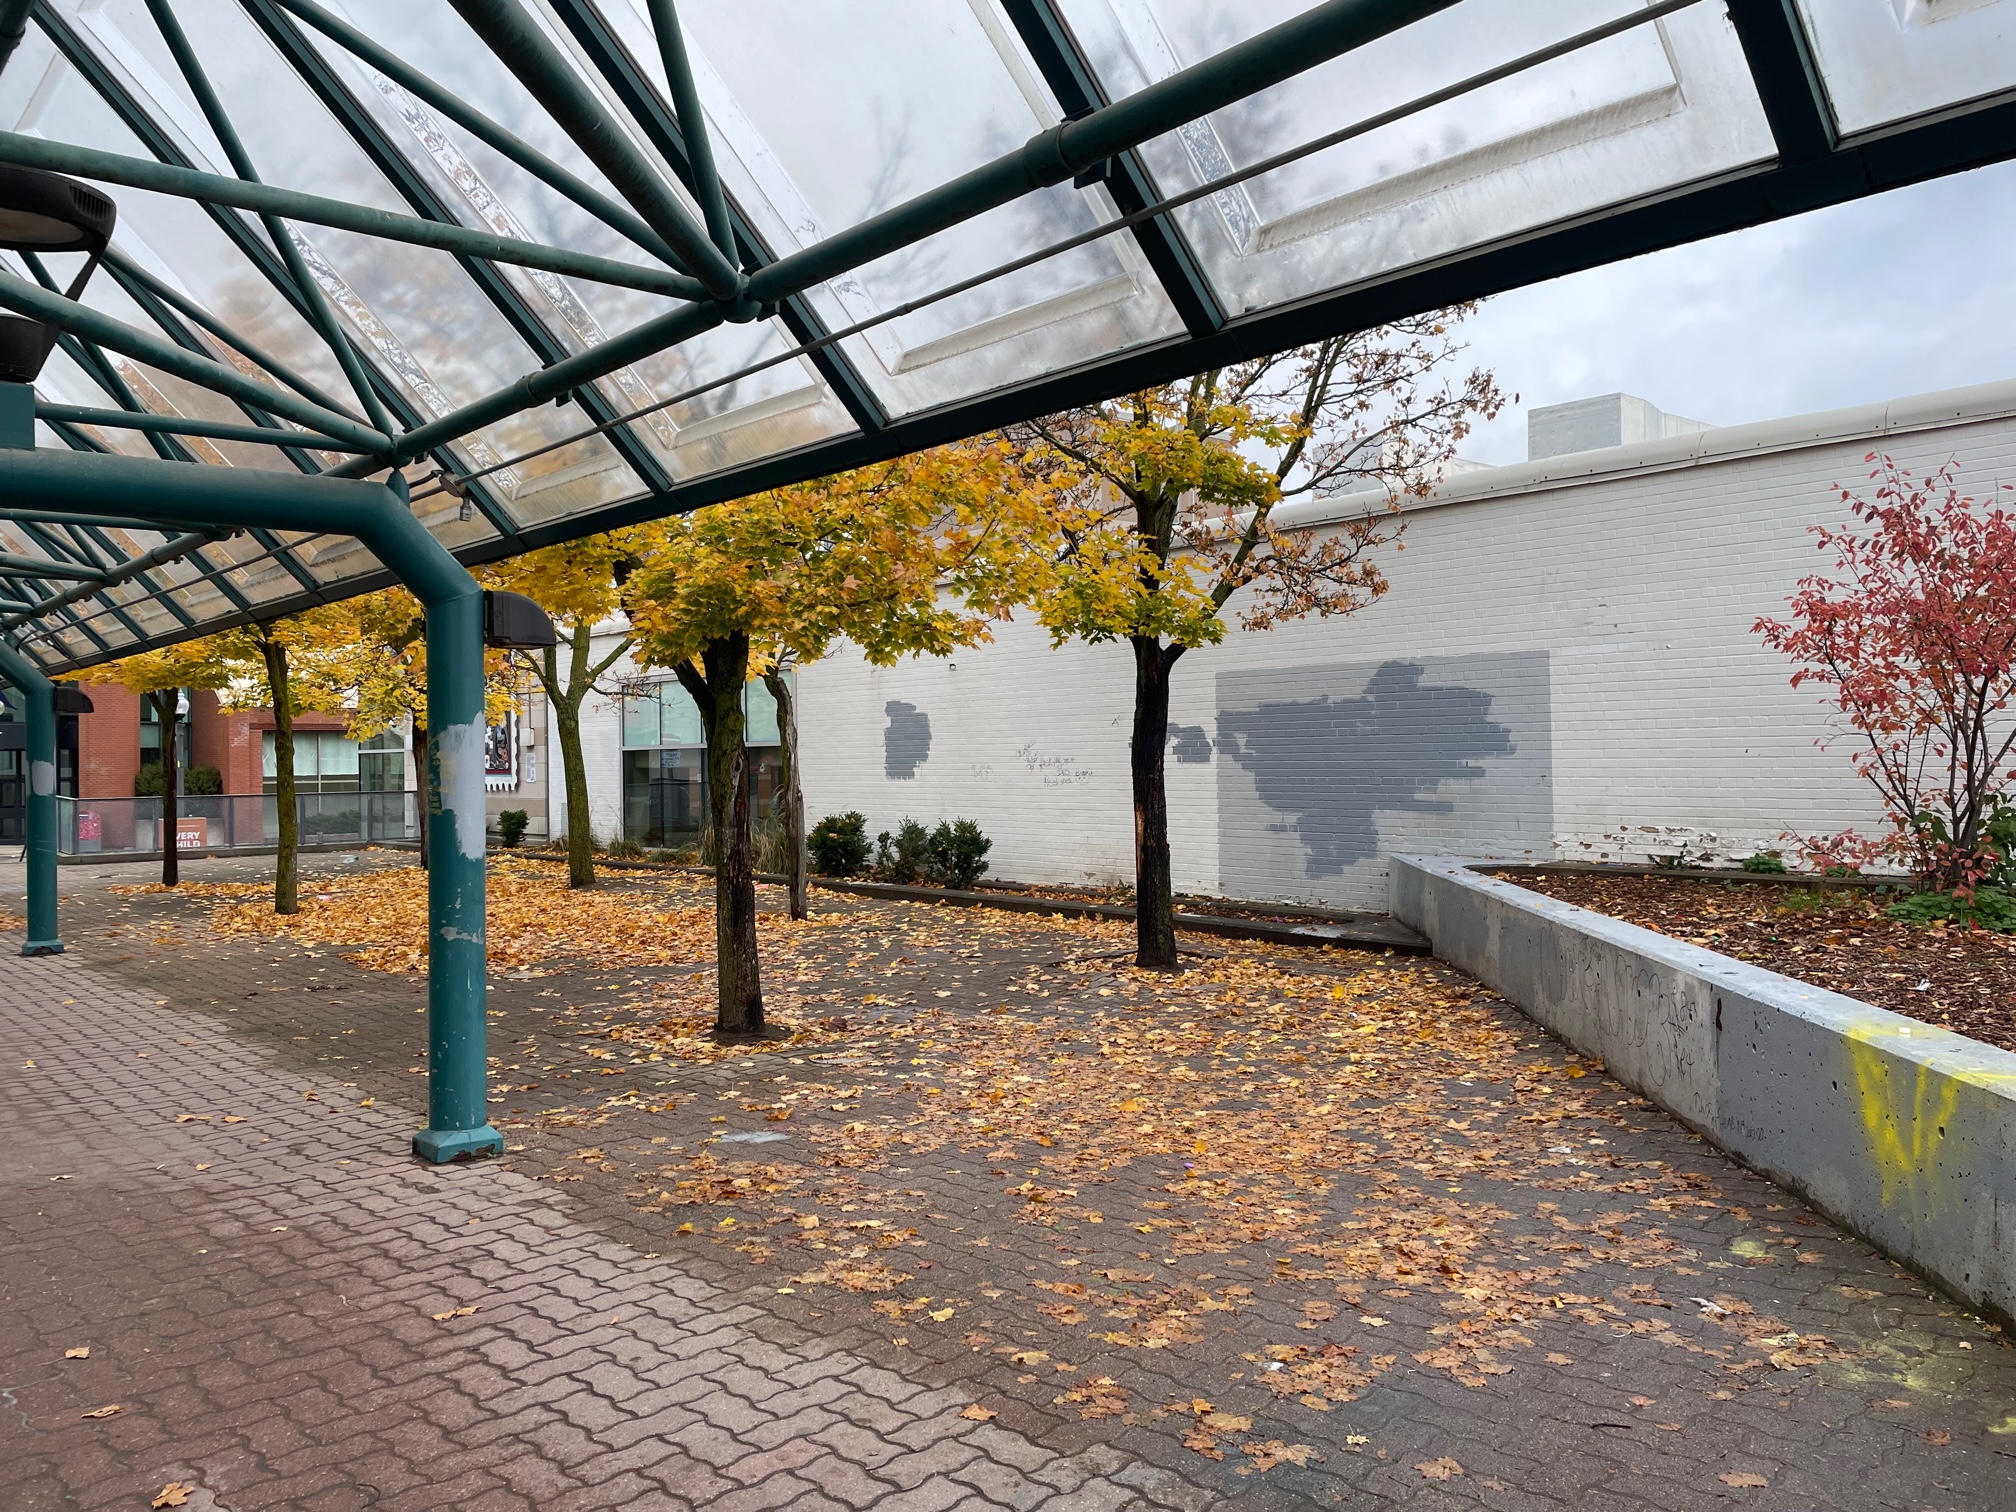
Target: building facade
x,y
1565,668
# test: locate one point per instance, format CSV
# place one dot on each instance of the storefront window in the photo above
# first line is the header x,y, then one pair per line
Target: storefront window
x,y
665,762
381,763
325,761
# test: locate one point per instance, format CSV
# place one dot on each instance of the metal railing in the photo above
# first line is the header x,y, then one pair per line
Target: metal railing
x,y
234,821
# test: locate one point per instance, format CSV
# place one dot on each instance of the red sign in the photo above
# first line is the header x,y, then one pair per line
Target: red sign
x,y
192,834
89,826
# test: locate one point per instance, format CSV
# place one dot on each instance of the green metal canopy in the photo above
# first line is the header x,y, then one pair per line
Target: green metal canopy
x,y
572,263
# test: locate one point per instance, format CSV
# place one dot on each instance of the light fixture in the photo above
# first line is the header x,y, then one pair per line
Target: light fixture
x,y
45,212
458,489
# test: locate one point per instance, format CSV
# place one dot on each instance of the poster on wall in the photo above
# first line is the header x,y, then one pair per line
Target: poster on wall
x,y
500,755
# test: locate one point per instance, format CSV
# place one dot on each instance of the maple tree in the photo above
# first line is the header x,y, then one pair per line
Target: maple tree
x,y
903,558
160,678
305,660
1167,509
1914,634
579,586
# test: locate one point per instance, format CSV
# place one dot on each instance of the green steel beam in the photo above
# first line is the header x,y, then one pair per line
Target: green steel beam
x,y
509,32
419,194
378,516
160,556
485,130
182,425
35,567
1780,56
546,383
1049,158
25,298
14,512
1073,81
692,125
138,282
320,312
13,27
638,96
38,696
1053,157
317,210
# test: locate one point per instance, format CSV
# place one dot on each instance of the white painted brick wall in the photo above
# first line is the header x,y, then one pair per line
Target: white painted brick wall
x,y
1629,579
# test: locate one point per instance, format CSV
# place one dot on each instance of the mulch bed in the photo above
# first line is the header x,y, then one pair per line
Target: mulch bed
x,y
1958,978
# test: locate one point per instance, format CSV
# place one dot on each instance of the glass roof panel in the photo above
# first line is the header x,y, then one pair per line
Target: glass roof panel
x,y
958,91
1404,165
1636,114
1883,60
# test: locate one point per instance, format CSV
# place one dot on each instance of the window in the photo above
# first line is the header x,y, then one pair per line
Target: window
x,y
325,761
665,762
381,763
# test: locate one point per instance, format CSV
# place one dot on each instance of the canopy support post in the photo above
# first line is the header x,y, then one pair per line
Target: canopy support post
x,y
458,1119
39,696
381,517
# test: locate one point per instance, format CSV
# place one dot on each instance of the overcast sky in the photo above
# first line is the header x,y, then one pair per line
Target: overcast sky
x,y
1902,293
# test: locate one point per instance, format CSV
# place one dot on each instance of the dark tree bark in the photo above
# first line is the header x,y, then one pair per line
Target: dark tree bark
x,y
793,796
165,701
717,687
287,864
1154,900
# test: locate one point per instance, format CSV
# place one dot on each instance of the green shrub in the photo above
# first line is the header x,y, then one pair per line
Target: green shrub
x,y
839,845
1991,908
1765,861
625,850
958,854
903,856
1807,900
203,782
511,825
150,781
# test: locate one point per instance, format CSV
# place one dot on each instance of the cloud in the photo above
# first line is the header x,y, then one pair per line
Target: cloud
x,y
1902,293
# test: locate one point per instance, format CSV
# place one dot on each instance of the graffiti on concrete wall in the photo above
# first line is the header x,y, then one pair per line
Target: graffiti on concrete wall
x,y
906,742
1323,770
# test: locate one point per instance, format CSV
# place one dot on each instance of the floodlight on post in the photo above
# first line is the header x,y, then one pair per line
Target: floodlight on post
x,y
46,212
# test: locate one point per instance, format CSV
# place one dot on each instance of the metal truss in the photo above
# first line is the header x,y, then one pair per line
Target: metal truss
x,y
662,191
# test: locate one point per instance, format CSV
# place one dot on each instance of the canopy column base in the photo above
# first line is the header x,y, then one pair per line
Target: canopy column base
x,y
443,1145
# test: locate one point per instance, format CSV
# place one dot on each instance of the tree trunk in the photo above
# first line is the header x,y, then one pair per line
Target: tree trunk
x,y
423,789
171,857
566,703
1154,904
287,864
718,689
779,685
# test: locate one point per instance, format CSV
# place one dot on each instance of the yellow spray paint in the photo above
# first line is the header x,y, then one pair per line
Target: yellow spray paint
x,y
1906,1105
1903,1114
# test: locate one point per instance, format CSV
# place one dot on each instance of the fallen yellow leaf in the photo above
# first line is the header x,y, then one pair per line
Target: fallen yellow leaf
x,y
973,1412
81,1352
454,1312
174,1494
1441,1469
104,1412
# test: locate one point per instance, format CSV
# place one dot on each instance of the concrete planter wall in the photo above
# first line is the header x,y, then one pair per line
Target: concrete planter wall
x,y
1904,1132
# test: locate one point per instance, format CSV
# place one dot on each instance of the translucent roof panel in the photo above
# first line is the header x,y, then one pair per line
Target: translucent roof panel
x,y
564,272
1666,103
1886,60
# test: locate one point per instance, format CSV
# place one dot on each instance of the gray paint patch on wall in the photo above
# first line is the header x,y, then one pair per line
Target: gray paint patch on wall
x,y
906,743
1328,769
1189,744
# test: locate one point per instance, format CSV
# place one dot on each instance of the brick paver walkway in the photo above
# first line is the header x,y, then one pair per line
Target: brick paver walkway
x,y
260,1300
289,1312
